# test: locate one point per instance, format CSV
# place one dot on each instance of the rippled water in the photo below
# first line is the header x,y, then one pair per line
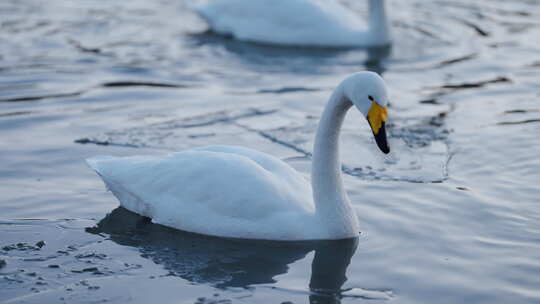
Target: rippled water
x,y
451,216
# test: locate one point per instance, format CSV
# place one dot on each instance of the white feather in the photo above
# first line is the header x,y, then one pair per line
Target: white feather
x,y
237,192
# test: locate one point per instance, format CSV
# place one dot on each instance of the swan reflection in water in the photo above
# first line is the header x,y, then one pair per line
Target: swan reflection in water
x,y
225,263
304,60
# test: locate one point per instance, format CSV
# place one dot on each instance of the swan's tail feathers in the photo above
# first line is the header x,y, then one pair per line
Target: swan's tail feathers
x,y
100,165
97,162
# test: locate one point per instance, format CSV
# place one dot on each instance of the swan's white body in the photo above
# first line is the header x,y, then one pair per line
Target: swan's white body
x,y
231,191
322,23
226,191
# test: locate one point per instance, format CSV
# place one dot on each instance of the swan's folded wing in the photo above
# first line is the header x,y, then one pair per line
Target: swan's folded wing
x,y
202,191
287,22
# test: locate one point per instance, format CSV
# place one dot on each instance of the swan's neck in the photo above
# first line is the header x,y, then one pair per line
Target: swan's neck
x,y
331,201
378,27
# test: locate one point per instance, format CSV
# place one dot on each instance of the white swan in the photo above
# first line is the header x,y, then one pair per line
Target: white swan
x,y
322,23
230,191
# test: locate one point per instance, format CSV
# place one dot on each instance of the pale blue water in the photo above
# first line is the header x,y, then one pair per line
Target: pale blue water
x,y
451,216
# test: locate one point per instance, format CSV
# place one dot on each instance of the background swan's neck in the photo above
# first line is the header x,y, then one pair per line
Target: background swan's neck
x,y
331,201
378,27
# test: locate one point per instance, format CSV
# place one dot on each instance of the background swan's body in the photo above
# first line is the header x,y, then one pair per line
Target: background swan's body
x,y
322,23
231,191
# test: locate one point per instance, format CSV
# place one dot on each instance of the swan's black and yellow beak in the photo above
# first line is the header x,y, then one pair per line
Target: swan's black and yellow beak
x,y
376,117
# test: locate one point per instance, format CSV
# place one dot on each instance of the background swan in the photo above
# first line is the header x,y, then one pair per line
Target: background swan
x,y
237,192
323,23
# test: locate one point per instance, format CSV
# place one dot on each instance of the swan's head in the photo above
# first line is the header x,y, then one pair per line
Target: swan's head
x,y
367,91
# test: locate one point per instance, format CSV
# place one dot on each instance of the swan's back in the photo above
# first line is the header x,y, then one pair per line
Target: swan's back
x,y
286,22
220,190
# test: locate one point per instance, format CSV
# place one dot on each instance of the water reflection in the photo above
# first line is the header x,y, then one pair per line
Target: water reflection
x,y
304,60
225,263
328,270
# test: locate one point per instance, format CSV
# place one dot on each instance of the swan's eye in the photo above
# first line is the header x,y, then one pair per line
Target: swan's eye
x,y
370,98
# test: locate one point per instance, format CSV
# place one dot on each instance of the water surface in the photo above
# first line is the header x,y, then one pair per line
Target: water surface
x,y
450,216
